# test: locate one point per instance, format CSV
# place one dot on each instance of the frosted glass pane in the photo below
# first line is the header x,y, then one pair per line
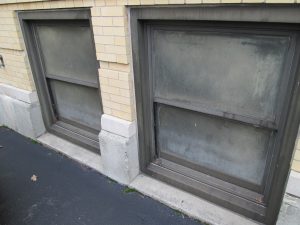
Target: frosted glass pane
x,y
235,73
77,103
232,148
68,51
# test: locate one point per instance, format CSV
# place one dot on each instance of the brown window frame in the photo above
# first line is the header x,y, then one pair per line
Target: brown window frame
x,y
28,20
261,205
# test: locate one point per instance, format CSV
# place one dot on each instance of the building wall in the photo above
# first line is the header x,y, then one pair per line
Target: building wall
x,y
111,34
296,161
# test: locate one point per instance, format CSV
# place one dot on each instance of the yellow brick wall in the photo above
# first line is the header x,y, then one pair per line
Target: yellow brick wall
x,y
296,161
19,1
16,71
110,27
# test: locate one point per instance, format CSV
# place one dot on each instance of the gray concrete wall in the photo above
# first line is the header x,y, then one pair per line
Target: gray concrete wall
x,y
119,150
20,111
290,211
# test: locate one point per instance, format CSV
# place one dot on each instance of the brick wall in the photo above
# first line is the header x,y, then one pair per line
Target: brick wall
x,y
296,161
110,27
19,1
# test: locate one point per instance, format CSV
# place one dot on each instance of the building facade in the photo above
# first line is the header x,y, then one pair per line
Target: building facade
x,y
73,72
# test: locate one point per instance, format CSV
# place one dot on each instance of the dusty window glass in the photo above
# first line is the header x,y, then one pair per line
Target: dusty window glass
x,y
68,51
77,103
218,144
230,72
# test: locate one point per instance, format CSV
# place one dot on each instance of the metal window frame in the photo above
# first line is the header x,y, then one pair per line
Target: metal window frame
x,y
208,110
263,207
79,135
35,25
206,27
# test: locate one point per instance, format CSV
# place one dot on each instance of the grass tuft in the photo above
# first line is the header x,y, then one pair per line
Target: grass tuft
x,y
129,190
33,141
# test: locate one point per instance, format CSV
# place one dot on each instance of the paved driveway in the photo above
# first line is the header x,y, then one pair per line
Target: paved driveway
x,y
39,186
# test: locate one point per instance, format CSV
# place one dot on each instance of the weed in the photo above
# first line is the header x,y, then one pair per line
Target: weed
x,y
34,141
129,190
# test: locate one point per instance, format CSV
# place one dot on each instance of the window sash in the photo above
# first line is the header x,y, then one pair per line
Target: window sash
x,y
85,77
210,109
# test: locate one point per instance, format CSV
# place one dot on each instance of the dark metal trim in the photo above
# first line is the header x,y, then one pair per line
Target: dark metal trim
x,y
55,14
84,137
271,13
205,178
222,176
219,113
226,199
267,205
73,81
63,130
89,132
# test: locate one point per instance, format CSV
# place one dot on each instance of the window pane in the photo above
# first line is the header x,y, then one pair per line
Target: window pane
x,y
232,148
235,73
68,51
77,103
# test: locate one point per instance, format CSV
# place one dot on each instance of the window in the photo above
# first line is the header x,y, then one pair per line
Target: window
x,y
214,101
63,59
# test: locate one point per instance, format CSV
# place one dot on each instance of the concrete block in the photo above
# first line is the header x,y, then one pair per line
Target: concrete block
x,y
19,94
289,211
21,111
7,112
118,126
293,185
119,156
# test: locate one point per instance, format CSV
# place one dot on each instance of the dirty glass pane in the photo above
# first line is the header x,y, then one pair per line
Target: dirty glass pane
x,y
232,148
236,73
68,51
77,103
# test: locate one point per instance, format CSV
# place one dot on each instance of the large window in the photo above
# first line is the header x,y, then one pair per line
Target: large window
x,y
227,80
214,101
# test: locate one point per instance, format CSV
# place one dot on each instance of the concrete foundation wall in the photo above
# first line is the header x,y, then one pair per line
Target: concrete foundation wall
x,y
119,149
290,211
20,111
